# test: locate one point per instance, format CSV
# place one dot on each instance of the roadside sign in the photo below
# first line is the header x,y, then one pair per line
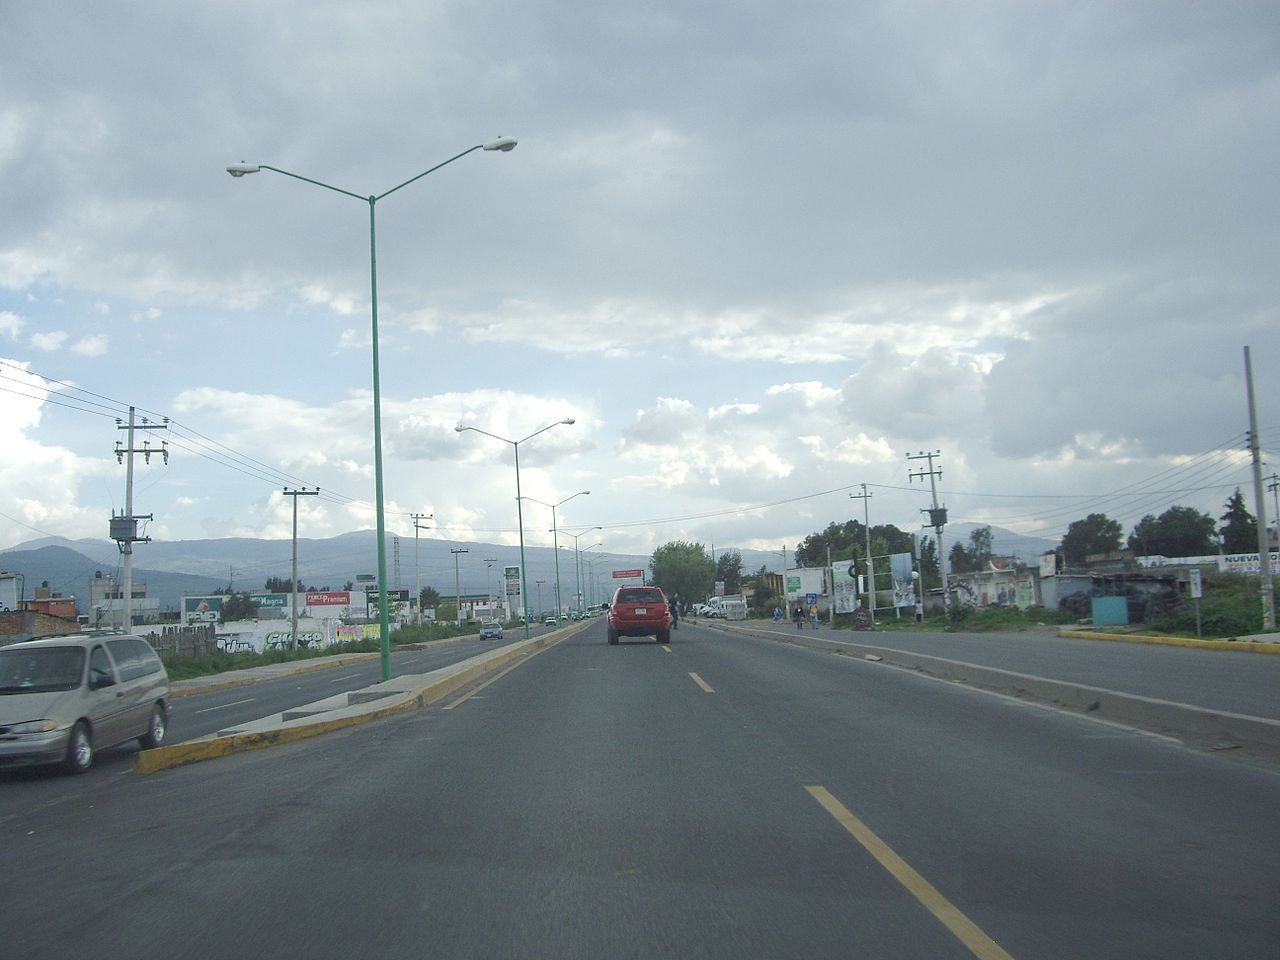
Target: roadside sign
x,y
1197,586
627,574
810,599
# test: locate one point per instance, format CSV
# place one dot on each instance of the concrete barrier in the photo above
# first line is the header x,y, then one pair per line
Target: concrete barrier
x,y
375,702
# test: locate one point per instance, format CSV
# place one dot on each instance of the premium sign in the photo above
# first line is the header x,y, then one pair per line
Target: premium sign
x,y
627,574
332,598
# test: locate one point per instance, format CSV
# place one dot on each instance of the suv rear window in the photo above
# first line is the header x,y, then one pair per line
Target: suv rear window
x,y
640,595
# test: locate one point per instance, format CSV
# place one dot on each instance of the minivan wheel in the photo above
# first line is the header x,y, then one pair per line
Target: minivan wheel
x,y
613,637
79,749
155,729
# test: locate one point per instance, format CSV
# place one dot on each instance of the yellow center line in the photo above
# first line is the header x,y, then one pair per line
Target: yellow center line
x,y
496,677
968,932
702,683
666,647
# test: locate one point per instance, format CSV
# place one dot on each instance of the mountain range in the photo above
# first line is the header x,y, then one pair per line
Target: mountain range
x,y
173,569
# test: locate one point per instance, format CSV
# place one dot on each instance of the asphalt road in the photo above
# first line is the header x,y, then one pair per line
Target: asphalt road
x,y
1234,681
726,797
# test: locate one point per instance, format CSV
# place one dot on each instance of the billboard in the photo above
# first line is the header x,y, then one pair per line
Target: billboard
x,y
329,598
202,609
627,574
512,577
845,587
904,588
270,599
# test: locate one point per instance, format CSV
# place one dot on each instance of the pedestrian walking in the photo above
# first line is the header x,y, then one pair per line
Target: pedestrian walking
x,y
797,615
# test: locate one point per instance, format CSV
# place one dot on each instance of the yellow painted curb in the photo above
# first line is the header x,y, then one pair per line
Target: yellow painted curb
x,y
162,758
1248,647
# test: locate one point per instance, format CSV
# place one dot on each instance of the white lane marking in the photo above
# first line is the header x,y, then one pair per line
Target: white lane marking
x,y
346,677
224,706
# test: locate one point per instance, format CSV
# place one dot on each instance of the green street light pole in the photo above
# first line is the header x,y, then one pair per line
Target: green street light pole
x,y
555,539
503,144
524,587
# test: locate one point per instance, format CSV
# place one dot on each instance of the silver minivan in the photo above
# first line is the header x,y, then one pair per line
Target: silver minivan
x,y
64,697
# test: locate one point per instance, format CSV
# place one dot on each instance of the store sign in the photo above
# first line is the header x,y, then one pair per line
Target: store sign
x,y
332,598
627,574
270,599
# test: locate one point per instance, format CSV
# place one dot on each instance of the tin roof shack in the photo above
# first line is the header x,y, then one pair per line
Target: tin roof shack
x,y
1150,593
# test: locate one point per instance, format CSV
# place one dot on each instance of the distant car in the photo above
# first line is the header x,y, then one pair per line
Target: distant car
x,y
491,630
550,621
638,612
62,698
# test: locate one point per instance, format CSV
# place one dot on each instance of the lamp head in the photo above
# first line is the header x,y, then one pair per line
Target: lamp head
x,y
240,169
505,144
569,421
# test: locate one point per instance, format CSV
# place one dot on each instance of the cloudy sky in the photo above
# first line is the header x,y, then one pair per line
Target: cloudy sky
x,y
759,252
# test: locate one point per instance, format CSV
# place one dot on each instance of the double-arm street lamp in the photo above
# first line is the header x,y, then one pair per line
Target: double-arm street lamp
x,y
577,563
503,144
524,592
555,539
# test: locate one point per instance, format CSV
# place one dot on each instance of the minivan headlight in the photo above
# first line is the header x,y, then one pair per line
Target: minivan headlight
x,y
34,726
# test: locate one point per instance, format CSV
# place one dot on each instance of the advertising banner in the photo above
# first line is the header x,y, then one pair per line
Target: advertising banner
x,y
512,577
904,589
202,609
627,574
329,598
845,588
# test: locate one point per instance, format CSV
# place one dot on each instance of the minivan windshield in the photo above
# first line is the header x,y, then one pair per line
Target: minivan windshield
x,y
42,670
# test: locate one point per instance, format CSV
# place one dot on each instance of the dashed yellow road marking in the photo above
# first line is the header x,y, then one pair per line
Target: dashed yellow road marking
x,y
965,930
702,683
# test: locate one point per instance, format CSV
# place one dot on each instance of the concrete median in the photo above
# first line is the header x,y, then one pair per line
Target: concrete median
x,y
371,703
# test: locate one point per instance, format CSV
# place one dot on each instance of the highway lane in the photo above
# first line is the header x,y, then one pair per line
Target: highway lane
x,y
1227,680
199,715
723,797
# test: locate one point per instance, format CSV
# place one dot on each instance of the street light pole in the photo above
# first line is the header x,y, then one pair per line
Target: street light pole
x,y
488,590
555,539
457,590
503,144
524,586
577,564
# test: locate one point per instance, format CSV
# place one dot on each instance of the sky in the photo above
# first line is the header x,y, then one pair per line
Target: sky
x,y
759,253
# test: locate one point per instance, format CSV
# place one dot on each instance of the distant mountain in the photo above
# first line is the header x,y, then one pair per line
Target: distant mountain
x,y
68,572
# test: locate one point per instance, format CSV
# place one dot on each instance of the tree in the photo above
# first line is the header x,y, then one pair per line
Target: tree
x,y
239,606
975,556
683,570
1178,532
1096,533
729,569
929,575
281,585
764,594
848,540
430,597
1239,530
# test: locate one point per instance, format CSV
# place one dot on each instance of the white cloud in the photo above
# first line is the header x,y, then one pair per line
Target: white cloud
x,y
11,324
49,342
91,346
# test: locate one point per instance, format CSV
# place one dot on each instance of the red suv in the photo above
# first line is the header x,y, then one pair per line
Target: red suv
x,y
639,612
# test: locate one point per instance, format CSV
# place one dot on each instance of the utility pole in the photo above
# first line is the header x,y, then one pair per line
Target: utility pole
x,y
539,583
937,516
124,528
1264,547
488,591
293,585
1274,487
871,568
417,575
457,590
